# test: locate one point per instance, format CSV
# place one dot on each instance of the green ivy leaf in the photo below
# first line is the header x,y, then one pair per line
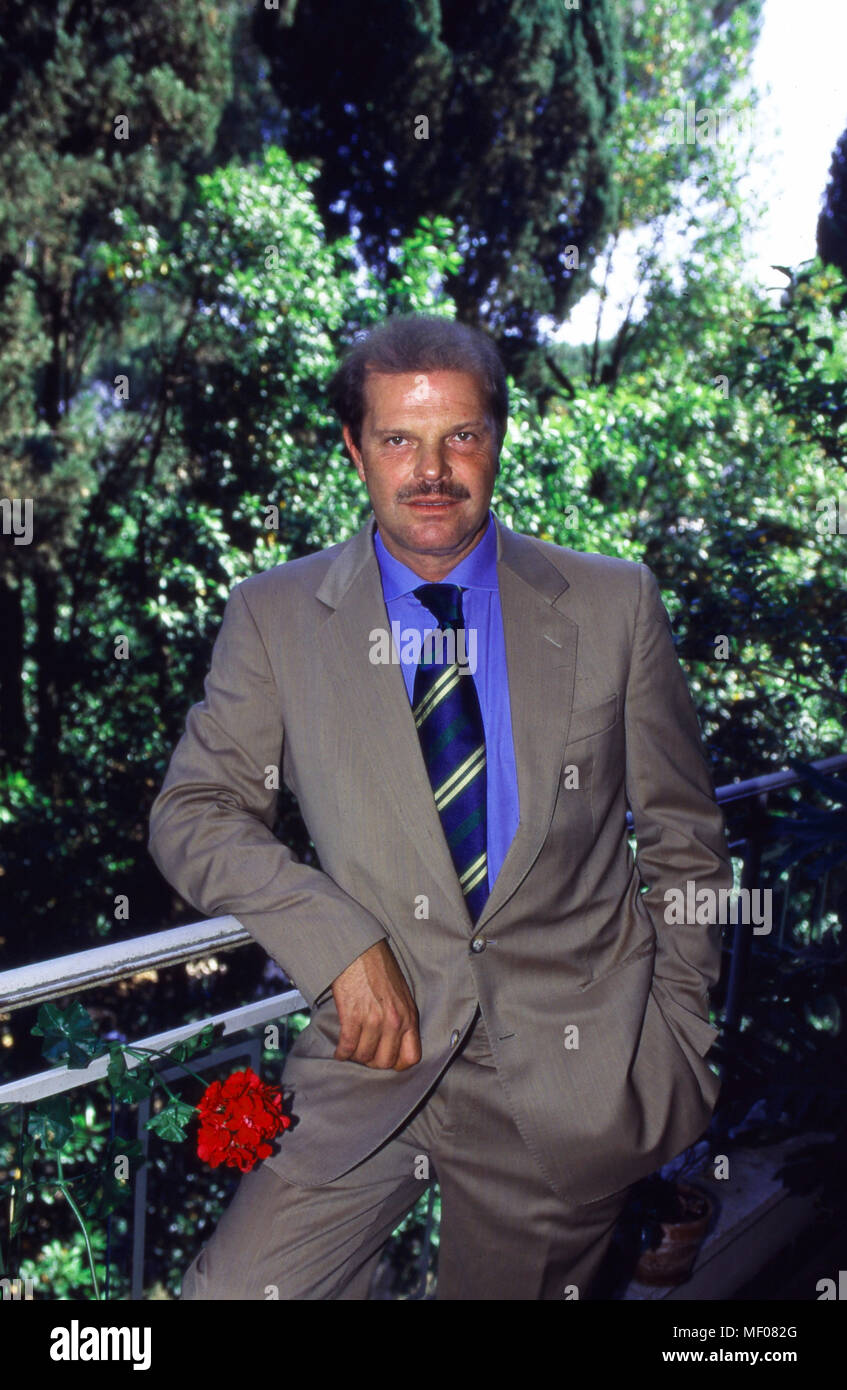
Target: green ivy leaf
x,y
69,1036
171,1121
128,1085
198,1042
51,1122
101,1191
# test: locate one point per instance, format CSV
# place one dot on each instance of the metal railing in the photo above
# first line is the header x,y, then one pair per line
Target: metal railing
x,y
84,970
749,849
72,974
66,975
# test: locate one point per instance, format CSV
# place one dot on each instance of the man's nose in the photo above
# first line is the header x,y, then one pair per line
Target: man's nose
x,y
431,463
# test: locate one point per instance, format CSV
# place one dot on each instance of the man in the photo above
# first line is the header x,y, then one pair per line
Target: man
x,y
500,996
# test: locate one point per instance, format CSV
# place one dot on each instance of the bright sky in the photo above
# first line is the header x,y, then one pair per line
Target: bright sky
x,y
801,59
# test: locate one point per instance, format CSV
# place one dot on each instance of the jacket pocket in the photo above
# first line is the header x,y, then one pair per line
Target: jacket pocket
x,y
646,948
594,719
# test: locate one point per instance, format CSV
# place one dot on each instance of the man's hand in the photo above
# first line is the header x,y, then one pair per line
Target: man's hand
x,y
379,1020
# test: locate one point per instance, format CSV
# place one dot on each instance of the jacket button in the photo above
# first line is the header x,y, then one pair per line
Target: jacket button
x,y
454,1037
478,944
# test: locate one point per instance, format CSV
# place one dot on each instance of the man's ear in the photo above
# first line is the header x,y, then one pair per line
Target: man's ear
x,y
354,453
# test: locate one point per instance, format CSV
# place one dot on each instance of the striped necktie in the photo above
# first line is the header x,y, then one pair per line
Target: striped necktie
x,y
448,719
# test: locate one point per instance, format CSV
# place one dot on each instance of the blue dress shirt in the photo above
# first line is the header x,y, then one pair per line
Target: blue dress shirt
x,y
477,574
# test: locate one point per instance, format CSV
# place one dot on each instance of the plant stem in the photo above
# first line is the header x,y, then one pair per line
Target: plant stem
x,y
155,1052
79,1216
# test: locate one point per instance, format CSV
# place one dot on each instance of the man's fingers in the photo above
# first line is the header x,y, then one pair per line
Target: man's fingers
x,y
384,1044
387,1036
348,1040
409,1053
386,1054
377,1014
370,1040
365,1042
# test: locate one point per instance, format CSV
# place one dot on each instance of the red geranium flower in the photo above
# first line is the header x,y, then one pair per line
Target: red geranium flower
x,y
237,1119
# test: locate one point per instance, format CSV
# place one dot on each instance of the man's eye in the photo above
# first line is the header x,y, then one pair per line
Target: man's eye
x,y
398,437
462,435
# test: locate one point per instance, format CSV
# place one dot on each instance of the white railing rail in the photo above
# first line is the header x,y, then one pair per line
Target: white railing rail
x,y
59,1079
73,974
104,965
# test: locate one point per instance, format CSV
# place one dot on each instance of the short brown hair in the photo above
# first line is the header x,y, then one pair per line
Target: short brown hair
x,y
419,343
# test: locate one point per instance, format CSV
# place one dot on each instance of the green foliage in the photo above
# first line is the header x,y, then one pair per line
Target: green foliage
x,y
707,460
817,837
519,100
832,222
18,794
171,1121
55,1134
678,200
797,353
99,1191
672,54
198,1042
239,316
65,76
69,1037
77,1168
51,1124
67,79
409,1264
424,261
128,1085
60,1269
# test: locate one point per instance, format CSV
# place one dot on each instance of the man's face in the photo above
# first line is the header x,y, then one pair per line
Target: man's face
x,y
428,458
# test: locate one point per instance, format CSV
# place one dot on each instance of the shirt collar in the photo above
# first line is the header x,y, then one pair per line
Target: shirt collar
x,y
478,570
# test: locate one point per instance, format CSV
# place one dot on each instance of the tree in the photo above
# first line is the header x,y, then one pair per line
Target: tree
x,y
224,458
832,222
679,61
99,109
497,116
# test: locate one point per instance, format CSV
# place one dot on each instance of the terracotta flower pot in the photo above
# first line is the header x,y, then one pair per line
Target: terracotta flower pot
x,y
671,1261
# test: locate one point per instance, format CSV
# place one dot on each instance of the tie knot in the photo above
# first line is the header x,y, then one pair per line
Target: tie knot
x,y
444,602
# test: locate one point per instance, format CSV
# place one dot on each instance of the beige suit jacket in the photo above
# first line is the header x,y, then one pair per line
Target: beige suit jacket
x,y
567,936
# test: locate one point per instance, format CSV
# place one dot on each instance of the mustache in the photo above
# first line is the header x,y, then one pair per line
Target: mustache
x,y
452,490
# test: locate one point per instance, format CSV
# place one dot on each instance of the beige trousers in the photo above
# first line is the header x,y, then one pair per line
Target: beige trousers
x,y
505,1234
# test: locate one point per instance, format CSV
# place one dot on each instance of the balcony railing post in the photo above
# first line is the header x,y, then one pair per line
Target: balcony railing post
x,y
742,935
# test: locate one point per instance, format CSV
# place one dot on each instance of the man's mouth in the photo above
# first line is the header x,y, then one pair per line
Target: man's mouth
x,y
433,502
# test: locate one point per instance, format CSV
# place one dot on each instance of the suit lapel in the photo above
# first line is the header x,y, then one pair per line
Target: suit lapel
x,y
541,646
375,701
